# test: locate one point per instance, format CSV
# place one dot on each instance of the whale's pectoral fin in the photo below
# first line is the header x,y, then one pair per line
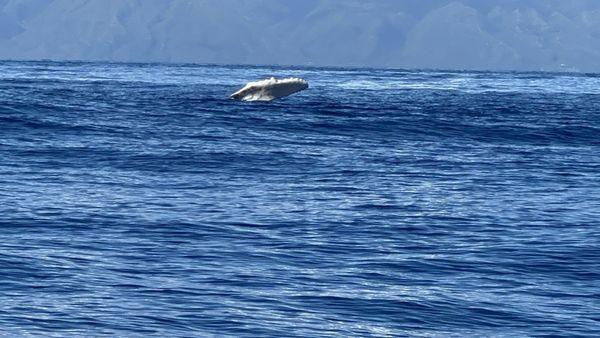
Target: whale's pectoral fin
x,y
242,93
237,96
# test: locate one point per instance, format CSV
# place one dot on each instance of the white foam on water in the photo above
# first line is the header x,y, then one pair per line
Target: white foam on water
x,y
479,83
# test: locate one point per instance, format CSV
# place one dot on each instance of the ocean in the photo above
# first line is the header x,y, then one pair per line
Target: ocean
x,y
138,200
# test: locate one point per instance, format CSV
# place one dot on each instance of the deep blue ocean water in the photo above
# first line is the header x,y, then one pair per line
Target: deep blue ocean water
x,y
137,200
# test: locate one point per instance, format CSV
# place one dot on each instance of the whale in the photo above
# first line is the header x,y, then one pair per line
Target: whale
x,y
270,89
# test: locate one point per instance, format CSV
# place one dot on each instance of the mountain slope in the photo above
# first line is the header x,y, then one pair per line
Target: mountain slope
x,y
465,34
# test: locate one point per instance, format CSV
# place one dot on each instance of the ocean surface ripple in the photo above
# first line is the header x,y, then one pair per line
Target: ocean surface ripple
x,y
137,200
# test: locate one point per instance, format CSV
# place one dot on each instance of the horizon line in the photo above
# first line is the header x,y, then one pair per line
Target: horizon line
x,y
338,68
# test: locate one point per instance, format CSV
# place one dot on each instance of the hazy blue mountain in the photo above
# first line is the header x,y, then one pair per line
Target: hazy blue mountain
x,y
462,34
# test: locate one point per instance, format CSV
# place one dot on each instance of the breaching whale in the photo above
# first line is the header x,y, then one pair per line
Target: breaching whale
x,y
270,89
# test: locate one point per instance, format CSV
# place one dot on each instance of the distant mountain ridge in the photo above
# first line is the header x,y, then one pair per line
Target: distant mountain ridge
x,y
551,35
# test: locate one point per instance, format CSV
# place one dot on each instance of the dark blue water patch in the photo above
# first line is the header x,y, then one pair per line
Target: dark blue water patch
x,y
137,199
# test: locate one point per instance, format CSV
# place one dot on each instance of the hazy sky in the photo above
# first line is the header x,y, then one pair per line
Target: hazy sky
x,y
462,34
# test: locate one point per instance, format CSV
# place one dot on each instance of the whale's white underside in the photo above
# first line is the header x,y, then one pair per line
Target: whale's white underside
x,y
269,89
